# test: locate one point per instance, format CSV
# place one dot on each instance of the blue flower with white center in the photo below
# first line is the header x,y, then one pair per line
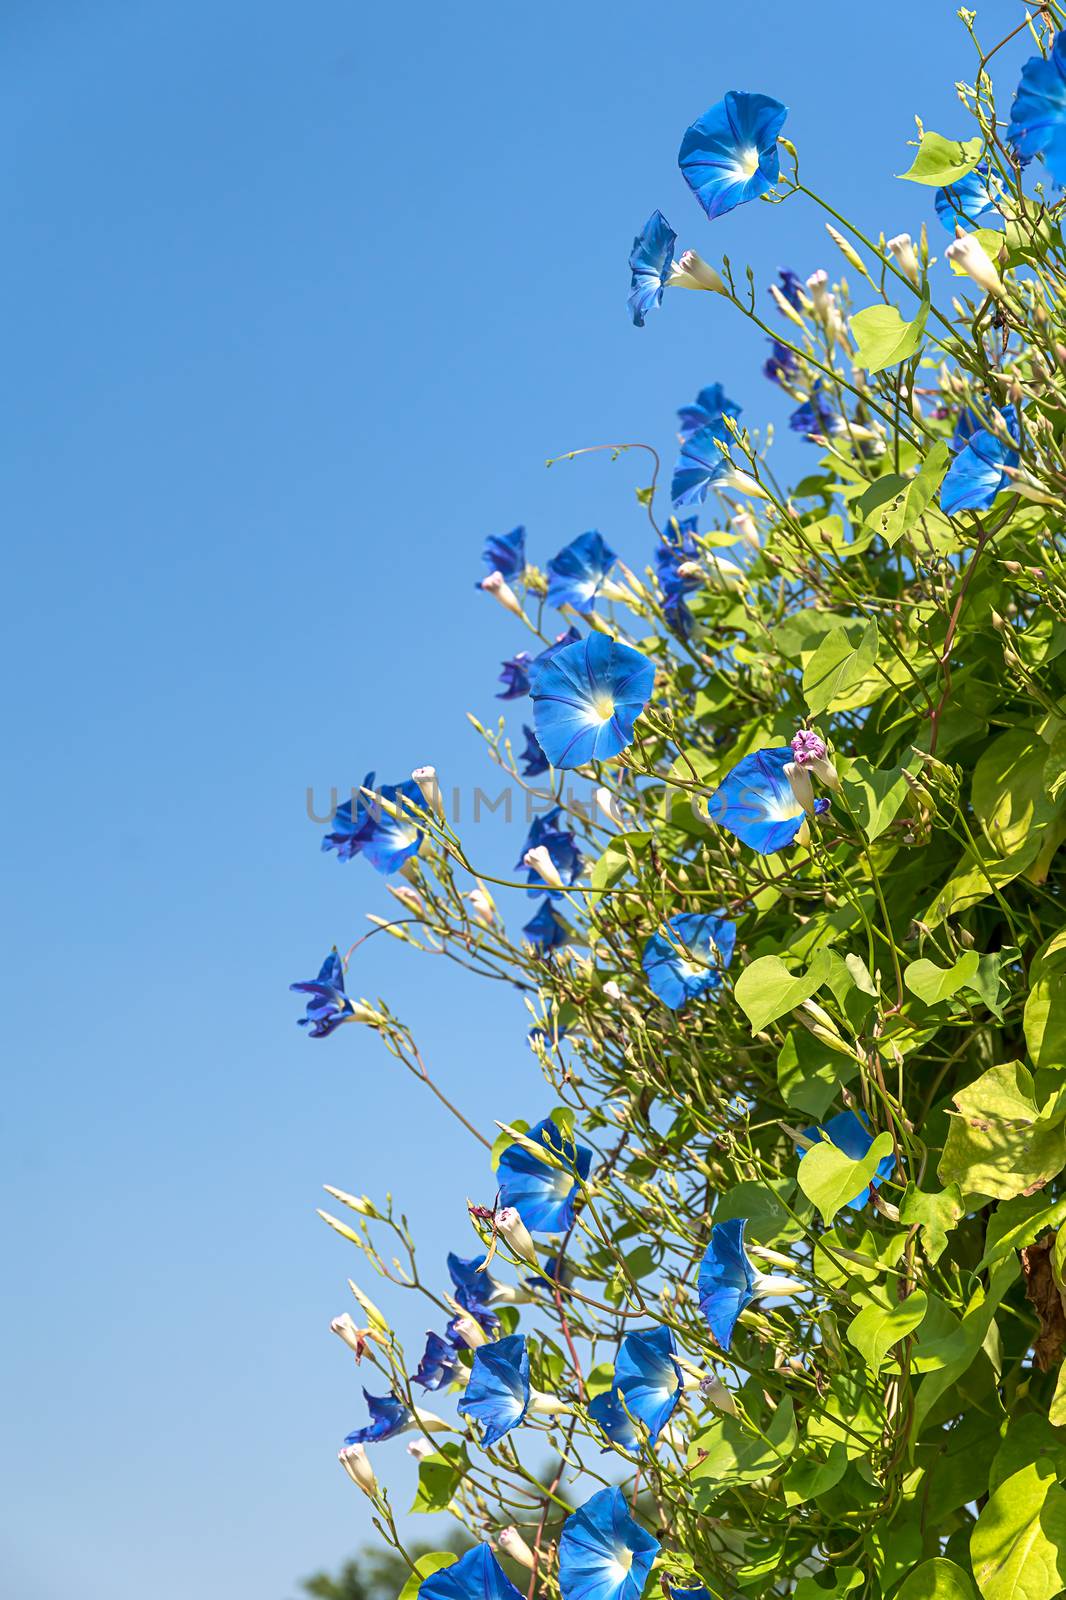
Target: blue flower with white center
x,y
505,553
561,845
515,677
650,261
440,1362
699,466
730,155
497,1392
543,1195
726,1283
687,959
851,1134
791,287
711,405
389,1415
608,1413
968,202
781,365
603,1553
533,759
816,415
977,475
475,1576
757,803
648,1378
328,1006
366,826
1038,115
546,930
576,576
587,698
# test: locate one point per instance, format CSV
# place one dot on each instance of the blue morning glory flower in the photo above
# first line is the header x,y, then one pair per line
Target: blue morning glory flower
x,y
542,1195
689,961
545,930
781,363
561,845
677,546
699,1593
497,1393
363,827
756,802
389,1415
726,1282
560,642
515,677
711,405
440,1362
1038,115
608,1412
587,698
603,1553
700,465
791,286
475,1576
650,261
816,414
966,201
730,155
648,1378
533,759
475,1290
966,425
851,1134
328,1006
505,553
976,475
577,574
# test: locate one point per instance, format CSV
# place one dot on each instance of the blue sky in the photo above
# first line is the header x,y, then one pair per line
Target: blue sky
x,y
299,300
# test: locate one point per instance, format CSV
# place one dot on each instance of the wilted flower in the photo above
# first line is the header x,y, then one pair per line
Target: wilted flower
x,y
711,405
515,676
791,287
561,846
545,929
439,1364
389,1415
355,1338
977,474
587,698
603,1553
577,575
730,155
850,1133
543,1195
505,553
688,957
497,1392
378,828
475,1576
650,261
809,750
534,761
964,203
476,1290
816,415
781,366
1038,115
757,803
328,1006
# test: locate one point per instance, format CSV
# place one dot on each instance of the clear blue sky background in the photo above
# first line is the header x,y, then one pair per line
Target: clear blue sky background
x,y
298,299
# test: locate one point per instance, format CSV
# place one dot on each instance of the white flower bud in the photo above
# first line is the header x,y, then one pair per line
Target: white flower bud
x,y
786,308
612,991
482,905
906,257
967,253
497,585
608,804
538,860
426,778
743,483
511,1542
510,1225
746,526
356,1463
354,1338
407,896
690,271
716,1394
419,1448
821,299
470,1331
802,787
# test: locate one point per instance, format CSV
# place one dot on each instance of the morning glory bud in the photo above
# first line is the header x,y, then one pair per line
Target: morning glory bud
x,y
420,1448
482,905
692,272
821,299
716,1394
510,1225
407,896
426,778
608,804
354,1338
470,1331
511,1542
905,256
356,1463
746,526
967,253
802,787
538,860
496,585
785,307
